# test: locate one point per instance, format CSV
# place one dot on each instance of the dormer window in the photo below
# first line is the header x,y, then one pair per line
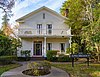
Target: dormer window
x,y
43,15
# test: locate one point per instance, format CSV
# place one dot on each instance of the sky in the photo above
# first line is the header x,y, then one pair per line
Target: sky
x,y
24,7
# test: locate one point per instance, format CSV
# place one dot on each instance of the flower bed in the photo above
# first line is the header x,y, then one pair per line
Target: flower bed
x,y
38,68
31,73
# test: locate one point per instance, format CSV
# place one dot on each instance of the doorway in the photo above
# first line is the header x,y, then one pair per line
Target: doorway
x,y
37,48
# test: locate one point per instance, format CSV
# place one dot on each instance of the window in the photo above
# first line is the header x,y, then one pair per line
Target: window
x,y
43,15
49,28
39,28
62,47
49,46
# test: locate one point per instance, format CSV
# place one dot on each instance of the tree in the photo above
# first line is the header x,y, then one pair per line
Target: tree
x,y
6,6
76,18
92,32
8,44
5,45
83,18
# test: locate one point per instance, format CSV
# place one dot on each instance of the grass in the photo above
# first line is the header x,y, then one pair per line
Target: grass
x,y
80,70
8,67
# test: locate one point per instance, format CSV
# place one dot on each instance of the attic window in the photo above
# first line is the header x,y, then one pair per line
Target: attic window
x,y
43,15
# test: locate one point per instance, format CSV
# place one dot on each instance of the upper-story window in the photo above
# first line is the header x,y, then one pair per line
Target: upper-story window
x,y
39,28
49,28
43,15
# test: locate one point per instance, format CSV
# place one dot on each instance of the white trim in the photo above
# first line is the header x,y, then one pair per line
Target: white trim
x,y
32,48
45,46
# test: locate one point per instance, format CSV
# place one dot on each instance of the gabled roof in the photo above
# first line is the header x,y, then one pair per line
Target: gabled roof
x,y
36,11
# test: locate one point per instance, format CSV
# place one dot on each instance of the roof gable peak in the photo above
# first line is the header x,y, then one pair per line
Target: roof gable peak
x,y
38,10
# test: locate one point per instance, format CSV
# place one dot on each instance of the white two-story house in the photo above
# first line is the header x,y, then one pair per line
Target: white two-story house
x,y
42,30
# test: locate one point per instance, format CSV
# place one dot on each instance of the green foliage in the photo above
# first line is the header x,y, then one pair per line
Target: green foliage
x,y
23,58
5,45
46,65
96,38
84,20
74,48
75,14
64,58
35,70
25,53
51,55
68,51
8,46
35,67
80,70
4,60
8,67
96,32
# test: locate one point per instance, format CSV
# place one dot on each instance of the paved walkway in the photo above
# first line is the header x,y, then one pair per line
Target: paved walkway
x,y
17,72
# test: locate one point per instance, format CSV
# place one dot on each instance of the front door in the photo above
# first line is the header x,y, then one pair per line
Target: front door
x,y
37,48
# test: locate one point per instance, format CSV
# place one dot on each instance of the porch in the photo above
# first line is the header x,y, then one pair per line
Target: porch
x,y
39,45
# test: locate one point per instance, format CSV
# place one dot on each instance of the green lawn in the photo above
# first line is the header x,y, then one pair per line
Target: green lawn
x,y
81,70
8,67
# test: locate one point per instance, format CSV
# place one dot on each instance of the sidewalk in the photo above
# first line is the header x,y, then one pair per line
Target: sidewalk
x,y
17,72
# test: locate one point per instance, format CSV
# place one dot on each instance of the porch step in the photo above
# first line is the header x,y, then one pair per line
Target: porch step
x,y
37,58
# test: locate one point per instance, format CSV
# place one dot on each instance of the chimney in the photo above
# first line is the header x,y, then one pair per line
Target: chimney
x,y
66,12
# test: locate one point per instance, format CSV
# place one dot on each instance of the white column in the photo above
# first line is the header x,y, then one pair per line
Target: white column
x,y
32,49
70,41
44,46
70,38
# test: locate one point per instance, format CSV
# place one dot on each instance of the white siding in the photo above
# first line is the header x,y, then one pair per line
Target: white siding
x,y
50,18
27,45
56,43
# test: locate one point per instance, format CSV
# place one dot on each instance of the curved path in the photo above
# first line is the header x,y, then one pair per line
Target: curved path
x,y
17,72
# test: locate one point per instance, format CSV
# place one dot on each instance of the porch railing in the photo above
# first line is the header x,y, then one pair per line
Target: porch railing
x,y
37,32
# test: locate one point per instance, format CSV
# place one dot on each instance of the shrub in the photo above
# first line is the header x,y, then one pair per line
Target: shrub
x,y
5,45
46,65
4,60
51,55
8,45
23,58
25,53
35,68
64,58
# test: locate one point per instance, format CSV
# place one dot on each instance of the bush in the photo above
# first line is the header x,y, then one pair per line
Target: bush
x,y
4,60
23,58
8,45
25,53
64,58
46,65
51,55
38,68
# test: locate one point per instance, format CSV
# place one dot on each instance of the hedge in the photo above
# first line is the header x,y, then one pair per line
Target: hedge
x,y
51,55
4,60
64,58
